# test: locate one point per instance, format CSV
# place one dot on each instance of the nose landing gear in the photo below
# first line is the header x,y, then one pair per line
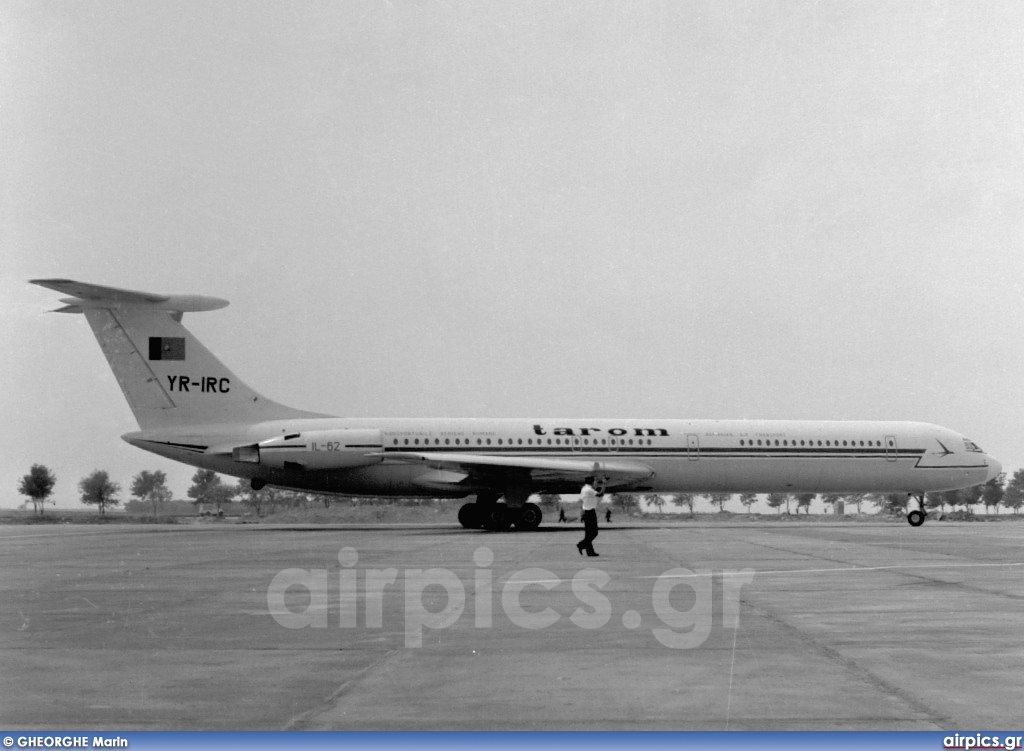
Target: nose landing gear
x,y
916,517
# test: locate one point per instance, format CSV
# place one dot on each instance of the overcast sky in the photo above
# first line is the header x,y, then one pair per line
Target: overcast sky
x,y
577,209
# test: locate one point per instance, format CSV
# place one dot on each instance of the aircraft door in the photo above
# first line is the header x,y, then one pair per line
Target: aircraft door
x,y
577,443
692,446
890,448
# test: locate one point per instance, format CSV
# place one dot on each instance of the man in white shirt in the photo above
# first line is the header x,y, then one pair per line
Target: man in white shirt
x,y
590,497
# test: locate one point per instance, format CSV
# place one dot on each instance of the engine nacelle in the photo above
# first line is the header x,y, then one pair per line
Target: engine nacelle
x,y
315,449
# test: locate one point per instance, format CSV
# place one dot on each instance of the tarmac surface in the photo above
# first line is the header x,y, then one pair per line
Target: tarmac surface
x,y
868,626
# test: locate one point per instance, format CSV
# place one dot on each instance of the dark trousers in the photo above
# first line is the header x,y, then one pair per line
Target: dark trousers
x,y
589,531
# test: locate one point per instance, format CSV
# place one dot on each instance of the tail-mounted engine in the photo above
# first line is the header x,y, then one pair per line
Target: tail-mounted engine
x,y
315,450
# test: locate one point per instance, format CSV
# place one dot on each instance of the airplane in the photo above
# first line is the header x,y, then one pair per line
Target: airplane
x,y
192,409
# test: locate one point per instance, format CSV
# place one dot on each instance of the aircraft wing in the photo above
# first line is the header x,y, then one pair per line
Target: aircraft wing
x,y
537,471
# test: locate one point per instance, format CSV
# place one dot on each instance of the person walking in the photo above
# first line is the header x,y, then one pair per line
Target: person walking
x,y
590,497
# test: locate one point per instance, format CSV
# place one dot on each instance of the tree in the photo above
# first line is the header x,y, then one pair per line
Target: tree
x,y
625,501
1013,496
683,499
720,499
831,499
655,500
776,500
992,493
858,499
256,499
99,490
969,497
38,485
207,488
804,500
152,487
948,497
748,500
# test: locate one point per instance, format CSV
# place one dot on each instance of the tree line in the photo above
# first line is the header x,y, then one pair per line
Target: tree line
x,y
208,490
993,494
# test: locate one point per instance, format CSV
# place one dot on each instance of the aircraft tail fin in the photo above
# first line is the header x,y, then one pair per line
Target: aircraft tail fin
x,y
168,377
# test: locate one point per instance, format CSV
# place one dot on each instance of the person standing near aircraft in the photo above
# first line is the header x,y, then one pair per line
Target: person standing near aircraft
x,y
589,496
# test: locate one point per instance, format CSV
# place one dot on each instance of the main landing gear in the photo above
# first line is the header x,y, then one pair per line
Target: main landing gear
x,y
487,513
916,517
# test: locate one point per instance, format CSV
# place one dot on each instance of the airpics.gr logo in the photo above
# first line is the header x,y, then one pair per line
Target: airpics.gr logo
x,y
673,627
166,348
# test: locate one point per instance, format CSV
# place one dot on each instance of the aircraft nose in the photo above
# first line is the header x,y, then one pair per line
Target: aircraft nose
x,y
994,469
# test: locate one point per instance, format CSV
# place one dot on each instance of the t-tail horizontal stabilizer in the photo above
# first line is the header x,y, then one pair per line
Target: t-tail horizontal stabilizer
x,y
97,296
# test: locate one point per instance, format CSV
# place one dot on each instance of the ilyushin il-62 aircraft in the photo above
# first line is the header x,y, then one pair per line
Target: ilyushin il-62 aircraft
x,y
192,409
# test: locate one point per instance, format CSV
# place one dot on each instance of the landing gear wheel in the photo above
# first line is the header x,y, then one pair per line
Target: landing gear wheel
x,y
500,518
915,518
469,516
529,517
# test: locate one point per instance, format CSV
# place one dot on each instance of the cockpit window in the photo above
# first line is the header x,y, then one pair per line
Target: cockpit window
x,y
972,446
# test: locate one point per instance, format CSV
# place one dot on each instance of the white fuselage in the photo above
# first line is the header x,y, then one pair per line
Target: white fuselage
x,y
683,455
192,408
